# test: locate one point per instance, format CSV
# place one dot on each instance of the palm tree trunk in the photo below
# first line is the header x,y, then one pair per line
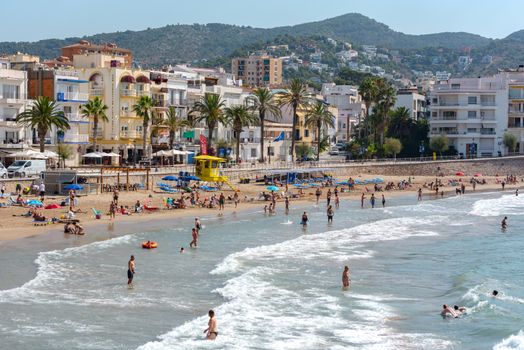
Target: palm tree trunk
x,y
318,141
293,132
171,138
238,147
41,137
209,138
144,139
95,132
262,117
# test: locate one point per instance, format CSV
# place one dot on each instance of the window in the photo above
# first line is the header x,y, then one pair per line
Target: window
x,y
306,133
455,86
10,91
253,152
472,130
472,100
472,114
435,100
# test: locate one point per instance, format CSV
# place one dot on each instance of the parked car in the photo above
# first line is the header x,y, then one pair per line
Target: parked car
x,y
27,167
3,171
334,151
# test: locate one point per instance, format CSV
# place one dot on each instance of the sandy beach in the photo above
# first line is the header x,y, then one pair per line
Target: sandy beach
x,y
14,226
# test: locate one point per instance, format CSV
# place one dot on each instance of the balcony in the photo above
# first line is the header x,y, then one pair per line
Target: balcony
x,y
130,134
75,139
76,118
160,103
96,91
19,99
71,97
127,92
487,132
128,114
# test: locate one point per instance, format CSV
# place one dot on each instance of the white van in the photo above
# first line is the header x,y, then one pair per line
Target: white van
x,y
25,168
3,171
334,151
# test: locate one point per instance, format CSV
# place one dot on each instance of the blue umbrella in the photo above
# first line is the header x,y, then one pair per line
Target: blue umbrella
x,y
74,187
272,188
170,178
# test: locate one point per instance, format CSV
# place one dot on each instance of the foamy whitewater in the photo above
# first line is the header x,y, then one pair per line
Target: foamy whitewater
x,y
275,285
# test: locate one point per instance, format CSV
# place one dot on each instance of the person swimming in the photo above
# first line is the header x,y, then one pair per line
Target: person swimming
x,y
459,310
446,310
182,250
495,293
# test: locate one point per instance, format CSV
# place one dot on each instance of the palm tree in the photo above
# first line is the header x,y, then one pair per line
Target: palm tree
x,y
297,97
144,109
174,123
264,101
400,123
368,91
239,117
318,116
43,116
95,108
211,110
386,98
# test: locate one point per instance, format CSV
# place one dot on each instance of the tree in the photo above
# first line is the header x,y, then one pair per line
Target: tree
x,y
264,101
510,141
392,146
368,90
385,99
318,116
303,151
400,122
239,117
144,109
439,144
64,152
211,111
43,115
296,96
95,108
174,123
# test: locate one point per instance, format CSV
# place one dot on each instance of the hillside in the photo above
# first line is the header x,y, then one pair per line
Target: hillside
x,y
182,43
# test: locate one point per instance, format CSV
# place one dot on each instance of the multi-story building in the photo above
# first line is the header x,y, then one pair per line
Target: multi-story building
x,y
472,113
258,70
120,88
84,47
13,100
350,109
413,101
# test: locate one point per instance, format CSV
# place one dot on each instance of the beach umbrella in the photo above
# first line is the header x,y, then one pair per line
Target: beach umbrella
x,y
176,152
170,178
92,155
111,154
272,188
190,178
161,153
459,173
49,154
74,187
478,175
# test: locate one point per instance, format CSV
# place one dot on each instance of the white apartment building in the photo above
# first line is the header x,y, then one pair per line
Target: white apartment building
x,y
350,109
13,100
472,113
413,101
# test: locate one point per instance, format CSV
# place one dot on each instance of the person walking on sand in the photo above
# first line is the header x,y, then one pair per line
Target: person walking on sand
x,y
345,277
330,213
318,192
194,234
419,194
362,200
115,195
383,201
211,331
372,200
41,189
130,270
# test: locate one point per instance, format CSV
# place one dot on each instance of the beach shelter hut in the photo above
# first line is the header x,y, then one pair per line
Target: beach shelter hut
x,y
207,168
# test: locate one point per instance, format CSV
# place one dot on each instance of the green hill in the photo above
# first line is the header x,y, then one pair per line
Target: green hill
x,y
182,43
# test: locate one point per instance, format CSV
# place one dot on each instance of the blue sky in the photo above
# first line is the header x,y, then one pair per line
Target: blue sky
x,y
65,18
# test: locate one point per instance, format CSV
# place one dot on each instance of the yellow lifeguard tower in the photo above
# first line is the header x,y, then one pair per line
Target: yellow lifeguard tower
x,y
207,169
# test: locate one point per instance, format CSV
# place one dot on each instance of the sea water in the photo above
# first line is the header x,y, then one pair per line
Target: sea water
x,y
276,285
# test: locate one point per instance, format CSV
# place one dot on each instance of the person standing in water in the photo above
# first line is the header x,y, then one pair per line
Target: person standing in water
x,y
330,213
304,220
286,201
198,225
372,200
383,201
221,201
328,198
211,331
337,200
194,234
345,277
419,194
504,223
362,200
130,270
318,192
517,192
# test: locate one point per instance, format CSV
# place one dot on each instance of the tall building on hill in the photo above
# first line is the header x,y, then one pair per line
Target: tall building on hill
x,y
258,70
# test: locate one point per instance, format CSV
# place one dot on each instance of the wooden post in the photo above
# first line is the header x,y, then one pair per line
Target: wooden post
x,y
101,180
147,179
127,179
118,180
